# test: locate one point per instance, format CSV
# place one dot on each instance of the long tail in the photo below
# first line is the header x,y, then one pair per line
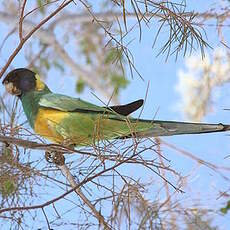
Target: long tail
x,y
169,128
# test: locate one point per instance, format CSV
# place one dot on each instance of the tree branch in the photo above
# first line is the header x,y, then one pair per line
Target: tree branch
x,y
21,20
47,37
37,27
66,172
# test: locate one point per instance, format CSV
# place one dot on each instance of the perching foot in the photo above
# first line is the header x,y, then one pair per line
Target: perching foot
x,y
55,157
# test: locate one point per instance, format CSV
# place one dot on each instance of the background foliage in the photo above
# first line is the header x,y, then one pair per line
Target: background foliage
x,y
131,184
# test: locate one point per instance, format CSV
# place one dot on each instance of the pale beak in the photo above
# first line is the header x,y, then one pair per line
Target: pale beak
x,y
10,88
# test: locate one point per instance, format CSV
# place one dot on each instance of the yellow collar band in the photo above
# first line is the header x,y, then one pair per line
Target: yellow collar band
x,y
39,84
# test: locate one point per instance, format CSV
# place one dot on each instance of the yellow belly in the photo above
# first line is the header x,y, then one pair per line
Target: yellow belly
x,y
46,121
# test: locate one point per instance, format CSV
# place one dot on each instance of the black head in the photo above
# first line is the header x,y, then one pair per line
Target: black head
x,y
20,81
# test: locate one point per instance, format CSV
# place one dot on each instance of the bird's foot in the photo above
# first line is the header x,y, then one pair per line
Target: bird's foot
x,y
55,157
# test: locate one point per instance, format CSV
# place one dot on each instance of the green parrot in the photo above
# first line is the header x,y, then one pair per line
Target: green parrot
x,y
74,122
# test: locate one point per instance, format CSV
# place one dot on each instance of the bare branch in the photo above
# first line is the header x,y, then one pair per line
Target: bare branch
x,y
47,37
21,19
22,42
66,172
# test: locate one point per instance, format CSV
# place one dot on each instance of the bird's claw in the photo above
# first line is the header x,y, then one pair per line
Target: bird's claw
x,y
55,157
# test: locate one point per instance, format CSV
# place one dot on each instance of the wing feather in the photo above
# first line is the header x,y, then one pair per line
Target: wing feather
x,y
70,104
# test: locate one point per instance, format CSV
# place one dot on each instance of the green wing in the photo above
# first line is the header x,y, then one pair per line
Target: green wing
x,y
70,104
82,124
66,103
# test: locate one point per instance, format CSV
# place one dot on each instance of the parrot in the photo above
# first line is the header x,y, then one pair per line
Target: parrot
x,y
74,122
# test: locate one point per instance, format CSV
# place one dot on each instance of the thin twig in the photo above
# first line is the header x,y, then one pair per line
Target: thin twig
x,y
86,180
22,42
66,172
47,221
21,20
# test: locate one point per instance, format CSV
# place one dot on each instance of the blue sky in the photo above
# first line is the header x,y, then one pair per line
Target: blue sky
x,y
162,98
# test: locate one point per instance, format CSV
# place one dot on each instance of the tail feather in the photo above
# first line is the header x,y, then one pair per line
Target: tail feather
x,y
170,128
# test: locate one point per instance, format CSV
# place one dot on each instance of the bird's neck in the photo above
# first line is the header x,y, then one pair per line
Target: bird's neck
x,y
30,103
